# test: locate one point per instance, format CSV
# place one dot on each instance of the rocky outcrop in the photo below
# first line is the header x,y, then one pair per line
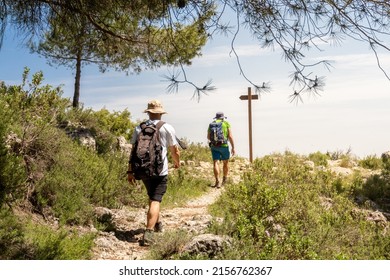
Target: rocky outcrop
x,y
123,146
106,217
79,133
206,244
85,138
13,143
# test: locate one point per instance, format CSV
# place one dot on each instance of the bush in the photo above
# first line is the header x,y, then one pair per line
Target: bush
x,y
12,172
339,154
376,187
319,158
168,245
79,180
196,152
371,162
23,239
60,244
282,210
183,185
104,125
11,236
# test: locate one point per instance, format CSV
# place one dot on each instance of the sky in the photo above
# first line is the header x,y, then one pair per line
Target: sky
x,y
351,114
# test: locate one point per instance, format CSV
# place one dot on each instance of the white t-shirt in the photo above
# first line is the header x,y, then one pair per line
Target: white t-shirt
x,y
167,139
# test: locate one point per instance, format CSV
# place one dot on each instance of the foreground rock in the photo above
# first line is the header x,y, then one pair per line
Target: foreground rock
x,y
206,244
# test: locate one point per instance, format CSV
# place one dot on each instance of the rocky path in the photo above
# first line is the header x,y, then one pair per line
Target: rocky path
x,y
124,245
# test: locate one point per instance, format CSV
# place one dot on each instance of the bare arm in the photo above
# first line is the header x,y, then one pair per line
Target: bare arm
x,y
130,174
175,155
231,140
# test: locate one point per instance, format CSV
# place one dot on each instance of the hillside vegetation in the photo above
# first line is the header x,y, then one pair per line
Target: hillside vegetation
x,y
284,209
285,206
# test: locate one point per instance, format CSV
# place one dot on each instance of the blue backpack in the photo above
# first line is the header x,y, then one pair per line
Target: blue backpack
x,y
217,138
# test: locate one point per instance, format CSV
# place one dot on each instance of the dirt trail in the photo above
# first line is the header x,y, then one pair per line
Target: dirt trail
x,y
124,244
192,217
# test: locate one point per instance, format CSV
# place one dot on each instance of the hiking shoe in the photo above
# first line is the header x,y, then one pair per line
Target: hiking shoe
x,y
217,185
224,181
148,238
158,227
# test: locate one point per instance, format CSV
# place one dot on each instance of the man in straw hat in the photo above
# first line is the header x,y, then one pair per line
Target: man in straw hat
x,y
156,186
220,150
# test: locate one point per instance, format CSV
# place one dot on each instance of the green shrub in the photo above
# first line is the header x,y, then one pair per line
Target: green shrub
x,y
12,179
347,162
30,111
339,154
168,245
60,244
23,239
196,152
33,103
376,187
371,162
182,186
319,158
79,180
104,125
117,123
260,201
11,236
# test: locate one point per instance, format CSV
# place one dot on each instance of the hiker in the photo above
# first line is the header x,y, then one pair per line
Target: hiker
x,y
219,135
156,184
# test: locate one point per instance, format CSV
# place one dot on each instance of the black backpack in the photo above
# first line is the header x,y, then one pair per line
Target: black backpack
x,y
217,138
146,155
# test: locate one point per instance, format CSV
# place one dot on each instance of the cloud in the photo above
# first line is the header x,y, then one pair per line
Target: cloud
x,y
222,55
354,60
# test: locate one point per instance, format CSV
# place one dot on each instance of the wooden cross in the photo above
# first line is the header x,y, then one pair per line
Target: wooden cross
x,y
249,97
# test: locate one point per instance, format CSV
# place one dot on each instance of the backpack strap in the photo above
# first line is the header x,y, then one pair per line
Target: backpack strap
x,y
158,126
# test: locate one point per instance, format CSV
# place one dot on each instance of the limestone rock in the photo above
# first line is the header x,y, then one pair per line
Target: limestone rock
x,y
208,244
123,146
79,133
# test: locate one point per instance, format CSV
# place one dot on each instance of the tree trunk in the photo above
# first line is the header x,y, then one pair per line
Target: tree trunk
x,y
76,95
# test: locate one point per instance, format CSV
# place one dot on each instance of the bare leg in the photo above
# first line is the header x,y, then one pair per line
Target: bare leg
x,y
216,170
153,214
225,168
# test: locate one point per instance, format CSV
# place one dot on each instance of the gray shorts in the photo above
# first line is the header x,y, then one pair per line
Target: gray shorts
x,y
156,187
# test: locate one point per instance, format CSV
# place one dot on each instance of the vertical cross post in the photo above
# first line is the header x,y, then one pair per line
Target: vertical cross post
x,y
249,97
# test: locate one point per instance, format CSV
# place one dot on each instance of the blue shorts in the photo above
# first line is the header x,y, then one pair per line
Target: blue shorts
x,y
220,153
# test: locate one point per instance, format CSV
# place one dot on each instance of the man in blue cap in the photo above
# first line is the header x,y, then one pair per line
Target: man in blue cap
x,y
219,135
